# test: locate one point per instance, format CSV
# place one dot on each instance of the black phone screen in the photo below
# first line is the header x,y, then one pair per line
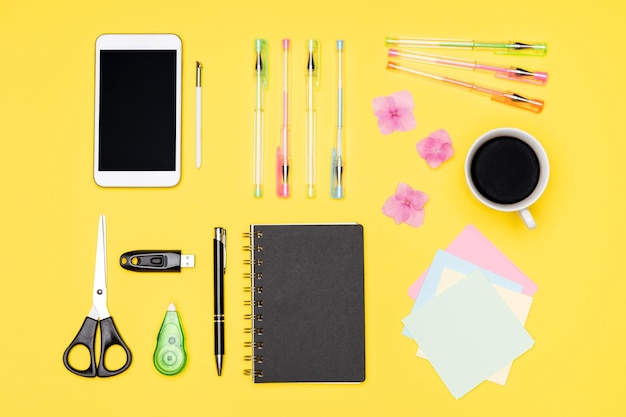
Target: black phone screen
x,y
137,110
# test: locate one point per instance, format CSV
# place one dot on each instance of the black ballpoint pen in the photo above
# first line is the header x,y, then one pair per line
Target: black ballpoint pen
x,y
219,269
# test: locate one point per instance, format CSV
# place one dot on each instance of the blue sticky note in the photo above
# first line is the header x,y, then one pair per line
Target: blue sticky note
x,y
468,333
444,260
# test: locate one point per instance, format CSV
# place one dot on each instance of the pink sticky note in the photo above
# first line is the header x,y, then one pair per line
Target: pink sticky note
x,y
474,247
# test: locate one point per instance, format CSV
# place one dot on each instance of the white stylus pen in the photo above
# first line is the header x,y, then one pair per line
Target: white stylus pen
x,y
198,114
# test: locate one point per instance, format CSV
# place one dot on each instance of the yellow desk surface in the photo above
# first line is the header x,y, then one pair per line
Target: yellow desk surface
x,y
50,203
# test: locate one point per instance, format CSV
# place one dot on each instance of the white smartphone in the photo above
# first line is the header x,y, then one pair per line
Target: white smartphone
x,y
138,110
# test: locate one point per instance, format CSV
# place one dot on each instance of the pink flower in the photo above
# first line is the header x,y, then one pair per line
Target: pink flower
x,y
394,112
406,205
436,148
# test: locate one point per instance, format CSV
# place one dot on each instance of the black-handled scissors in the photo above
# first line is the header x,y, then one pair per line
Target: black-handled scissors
x,y
99,313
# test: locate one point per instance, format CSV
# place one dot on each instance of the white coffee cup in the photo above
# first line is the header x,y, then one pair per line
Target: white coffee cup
x,y
489,140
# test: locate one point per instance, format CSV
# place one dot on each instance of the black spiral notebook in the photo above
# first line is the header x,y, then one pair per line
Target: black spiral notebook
x,y
308,322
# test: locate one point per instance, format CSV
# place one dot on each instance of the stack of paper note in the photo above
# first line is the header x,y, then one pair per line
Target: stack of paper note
x,y
469,314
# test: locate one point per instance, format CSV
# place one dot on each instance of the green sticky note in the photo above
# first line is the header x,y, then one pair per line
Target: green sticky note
x,y
468,333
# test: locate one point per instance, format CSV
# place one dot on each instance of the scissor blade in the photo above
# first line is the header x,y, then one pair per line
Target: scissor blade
x,y
100,274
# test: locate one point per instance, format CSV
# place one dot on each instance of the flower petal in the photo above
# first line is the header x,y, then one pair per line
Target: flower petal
x,y
406,205
394,112
436,148
404,111
405,121
434,160
403,100
387,124
396,209
442,136
403,190
384,110
416,219
382,105
418,199
425,146
447,150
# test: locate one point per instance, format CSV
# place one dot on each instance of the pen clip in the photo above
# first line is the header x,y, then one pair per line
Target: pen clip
x,y
336,176
198,74
523,48
261,63
220,237
282,174
523,75
519,101
313,65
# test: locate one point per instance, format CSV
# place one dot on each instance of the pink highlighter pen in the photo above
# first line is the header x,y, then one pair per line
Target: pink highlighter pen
x,y
282,152
509,73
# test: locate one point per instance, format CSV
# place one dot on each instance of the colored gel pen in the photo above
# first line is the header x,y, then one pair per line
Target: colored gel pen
x,y
282,152
336,175
509,73
260,74
506,47
505,97
312,83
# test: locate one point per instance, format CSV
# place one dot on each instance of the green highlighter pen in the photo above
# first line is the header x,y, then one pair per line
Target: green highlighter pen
x,y
502,47
170,356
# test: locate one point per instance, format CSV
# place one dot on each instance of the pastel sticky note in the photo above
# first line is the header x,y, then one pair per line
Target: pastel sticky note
x,y
444,260
473,246
468,333
518,303
449,277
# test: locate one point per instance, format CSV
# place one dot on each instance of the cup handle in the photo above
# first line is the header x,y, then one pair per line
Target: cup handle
x,y
527,218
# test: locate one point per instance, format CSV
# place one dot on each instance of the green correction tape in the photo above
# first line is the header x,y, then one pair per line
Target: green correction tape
x,y
169,356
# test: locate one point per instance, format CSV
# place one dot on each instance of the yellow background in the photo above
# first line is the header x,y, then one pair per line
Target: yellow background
x,y
50,203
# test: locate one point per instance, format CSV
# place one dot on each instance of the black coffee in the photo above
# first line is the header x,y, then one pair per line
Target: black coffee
x,y
505,170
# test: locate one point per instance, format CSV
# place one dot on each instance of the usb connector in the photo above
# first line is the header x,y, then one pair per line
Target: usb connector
x,y
187,261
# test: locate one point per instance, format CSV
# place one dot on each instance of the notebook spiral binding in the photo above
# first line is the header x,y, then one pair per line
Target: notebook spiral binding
x,y
257,275
255,303
250,372
254,358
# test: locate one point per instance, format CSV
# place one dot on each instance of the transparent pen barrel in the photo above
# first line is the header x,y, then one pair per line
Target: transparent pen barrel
x,y
310,150
198,111
283,164
310,138
337,171
258,153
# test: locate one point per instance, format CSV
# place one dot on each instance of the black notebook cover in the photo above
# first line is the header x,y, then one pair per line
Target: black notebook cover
x,y
308,303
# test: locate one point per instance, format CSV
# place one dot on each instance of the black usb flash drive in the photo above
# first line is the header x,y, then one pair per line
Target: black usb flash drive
x,y
156,261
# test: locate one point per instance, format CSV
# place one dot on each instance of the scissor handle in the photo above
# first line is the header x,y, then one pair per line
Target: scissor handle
x,y
86,337
111,337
